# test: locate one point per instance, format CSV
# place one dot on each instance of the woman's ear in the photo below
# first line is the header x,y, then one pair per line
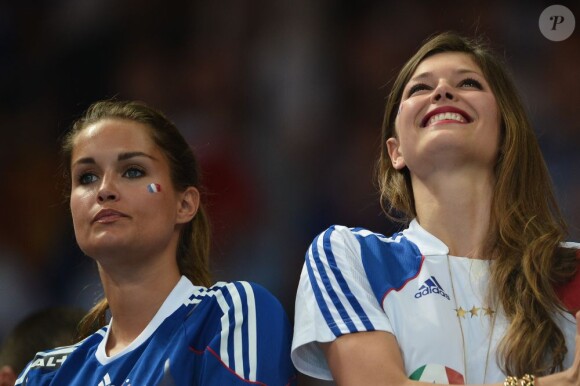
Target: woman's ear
x,y
187,205
395,153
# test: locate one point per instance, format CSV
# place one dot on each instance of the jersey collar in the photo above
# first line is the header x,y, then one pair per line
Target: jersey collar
x,y
427,243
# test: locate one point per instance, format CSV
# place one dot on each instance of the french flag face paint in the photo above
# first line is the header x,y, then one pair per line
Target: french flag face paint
x,y
154,188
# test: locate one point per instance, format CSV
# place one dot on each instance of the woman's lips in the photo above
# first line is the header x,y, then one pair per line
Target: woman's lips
x,y
108,215
445,113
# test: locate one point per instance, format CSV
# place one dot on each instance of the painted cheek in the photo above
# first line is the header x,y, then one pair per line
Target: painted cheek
x,y
154,188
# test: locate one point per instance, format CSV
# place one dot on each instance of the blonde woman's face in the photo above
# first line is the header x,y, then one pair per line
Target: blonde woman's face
x,y
448,116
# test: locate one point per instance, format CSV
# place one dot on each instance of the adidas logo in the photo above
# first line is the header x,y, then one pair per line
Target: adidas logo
x,y
431,286
106,381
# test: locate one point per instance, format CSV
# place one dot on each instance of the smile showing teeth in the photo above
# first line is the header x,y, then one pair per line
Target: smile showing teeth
x,y
446,116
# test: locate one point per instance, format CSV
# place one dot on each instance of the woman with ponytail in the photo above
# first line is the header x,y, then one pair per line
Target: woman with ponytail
x,y
137,211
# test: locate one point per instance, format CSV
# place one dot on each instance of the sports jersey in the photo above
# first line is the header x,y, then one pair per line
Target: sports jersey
x,y
355,280
230,334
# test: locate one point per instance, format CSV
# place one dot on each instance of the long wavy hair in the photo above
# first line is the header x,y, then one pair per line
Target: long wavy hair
x,y
526,227
194,240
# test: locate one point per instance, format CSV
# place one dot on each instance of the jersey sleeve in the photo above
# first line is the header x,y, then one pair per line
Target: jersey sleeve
x,y
252,343
43,368
334,298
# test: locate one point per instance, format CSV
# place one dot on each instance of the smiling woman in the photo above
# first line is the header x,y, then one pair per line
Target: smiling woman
x,y
448,117
168,325
480,287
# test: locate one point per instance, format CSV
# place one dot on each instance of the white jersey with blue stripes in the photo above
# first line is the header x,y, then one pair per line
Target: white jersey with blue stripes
x,y
230,334
355,280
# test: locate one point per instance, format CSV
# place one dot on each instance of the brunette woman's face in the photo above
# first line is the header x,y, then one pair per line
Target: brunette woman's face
x,y
122,197
447,113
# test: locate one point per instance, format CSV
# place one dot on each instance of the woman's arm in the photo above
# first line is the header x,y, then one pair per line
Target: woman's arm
x,y
250,341
366,358
374,359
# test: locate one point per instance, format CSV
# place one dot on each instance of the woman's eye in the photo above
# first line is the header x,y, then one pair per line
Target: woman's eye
x,y
469,82
417,87
133,173
87,178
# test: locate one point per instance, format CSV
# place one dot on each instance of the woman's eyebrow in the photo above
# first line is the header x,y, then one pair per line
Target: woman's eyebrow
x,y
133,154
120,157
468,71
428,74
84,161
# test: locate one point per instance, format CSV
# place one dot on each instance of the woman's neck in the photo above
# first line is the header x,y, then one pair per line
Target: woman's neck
x,y
134,298
456,209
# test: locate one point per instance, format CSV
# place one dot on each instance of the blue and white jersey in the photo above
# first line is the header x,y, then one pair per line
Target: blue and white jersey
x,y
230,334
355,280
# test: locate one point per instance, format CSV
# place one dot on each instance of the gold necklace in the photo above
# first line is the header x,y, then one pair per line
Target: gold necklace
x,y
490,310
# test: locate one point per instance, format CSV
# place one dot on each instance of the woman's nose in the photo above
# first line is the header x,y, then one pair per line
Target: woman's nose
x,y
107,191
443,90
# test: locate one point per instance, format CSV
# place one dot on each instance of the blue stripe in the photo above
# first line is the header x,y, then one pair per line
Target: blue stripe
x,y
316,289
231,326
344,285
330,290
245,332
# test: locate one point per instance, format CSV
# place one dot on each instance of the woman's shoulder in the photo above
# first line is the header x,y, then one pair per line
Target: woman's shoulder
x,y
351,253
341,234
357,230
340,240
238,285
45,363
245,295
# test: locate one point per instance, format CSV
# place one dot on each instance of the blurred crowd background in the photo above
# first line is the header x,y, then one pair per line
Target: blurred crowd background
x,y
281,100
